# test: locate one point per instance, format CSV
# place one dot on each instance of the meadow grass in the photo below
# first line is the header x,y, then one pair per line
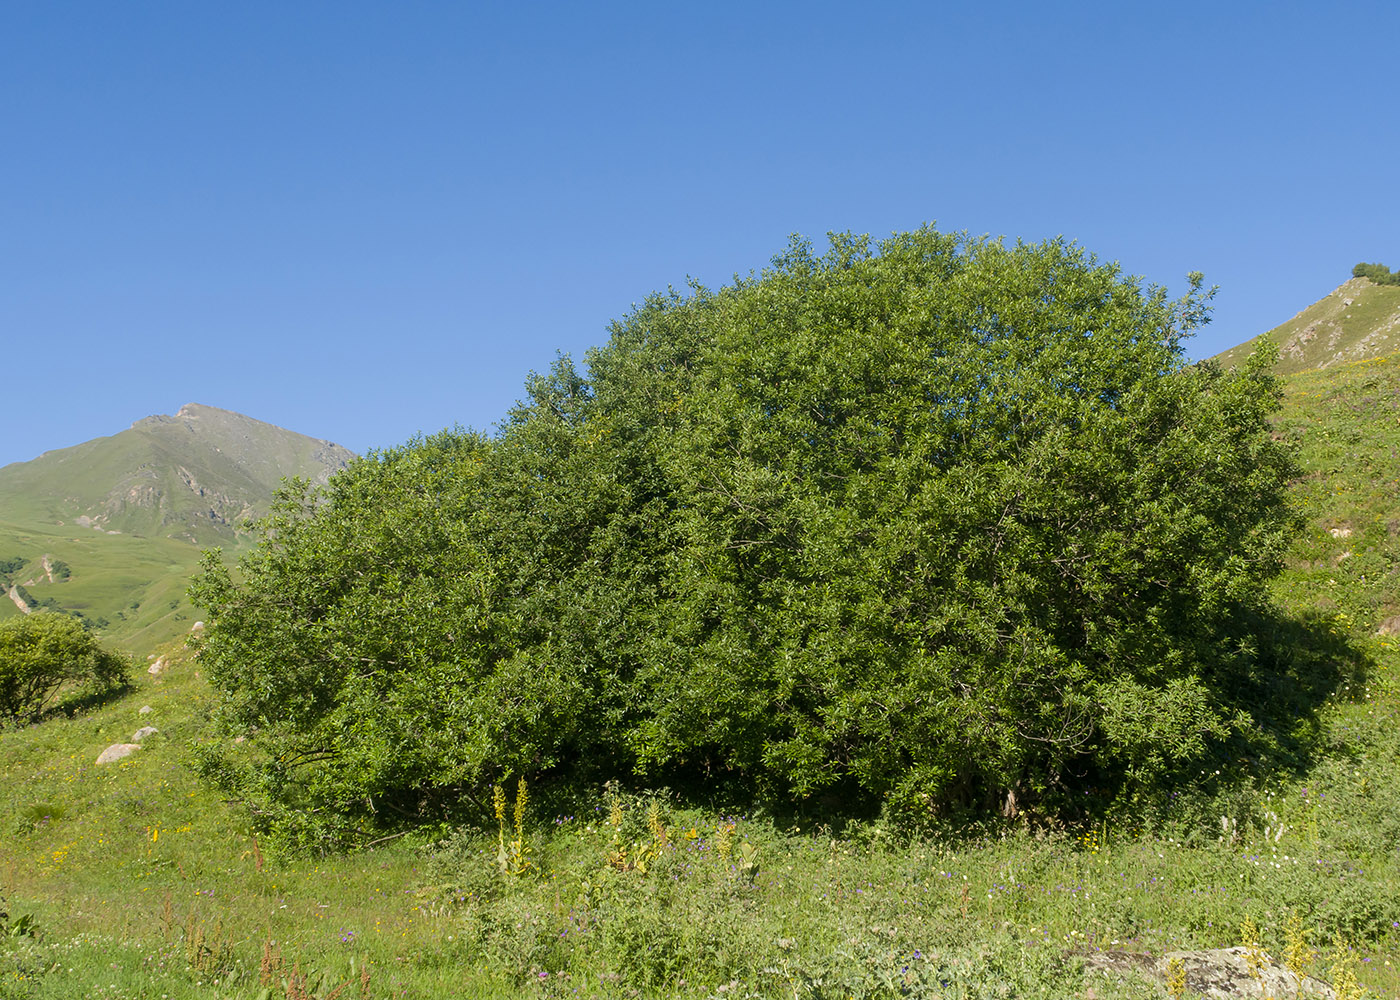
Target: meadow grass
x,y
134,880
143,883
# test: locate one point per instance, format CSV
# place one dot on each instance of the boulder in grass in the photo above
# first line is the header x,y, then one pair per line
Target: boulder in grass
x,y
1216,973
117,751
145,710
157,668
143,732
1220,973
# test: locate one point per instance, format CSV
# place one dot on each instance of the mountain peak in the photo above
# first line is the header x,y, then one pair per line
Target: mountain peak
x,y
126,515
194,411
195,476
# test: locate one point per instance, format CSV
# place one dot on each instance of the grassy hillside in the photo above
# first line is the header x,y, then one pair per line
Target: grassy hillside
x,y
131,589
1346,423
125,517
1359,320
143,883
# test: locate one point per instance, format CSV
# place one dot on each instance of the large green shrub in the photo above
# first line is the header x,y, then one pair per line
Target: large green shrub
x,y
936,518
41,652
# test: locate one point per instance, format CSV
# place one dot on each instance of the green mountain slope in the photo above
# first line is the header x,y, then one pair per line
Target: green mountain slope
x,y
1359,320
195,476
1345,422
111,529
132,590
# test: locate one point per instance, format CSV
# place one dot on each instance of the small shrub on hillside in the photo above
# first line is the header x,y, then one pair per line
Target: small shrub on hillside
x,y
42,652
1378,273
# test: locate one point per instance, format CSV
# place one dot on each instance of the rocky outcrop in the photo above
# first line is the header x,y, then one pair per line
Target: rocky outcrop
x,y
1218,973
18,598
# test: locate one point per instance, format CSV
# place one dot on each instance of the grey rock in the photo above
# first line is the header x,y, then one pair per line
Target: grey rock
x,y
145,710
143,732
1218,973
117,751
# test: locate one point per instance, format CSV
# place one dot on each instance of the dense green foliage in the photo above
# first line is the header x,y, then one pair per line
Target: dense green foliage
x,y
41,652
938,520
1378,273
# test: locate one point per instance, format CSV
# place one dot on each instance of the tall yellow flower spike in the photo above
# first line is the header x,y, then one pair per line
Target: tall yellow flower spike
x,y
502,856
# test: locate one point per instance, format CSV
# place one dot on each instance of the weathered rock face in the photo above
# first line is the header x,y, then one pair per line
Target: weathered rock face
x,y
143,732
1219,973
1225,972
157,668
117,751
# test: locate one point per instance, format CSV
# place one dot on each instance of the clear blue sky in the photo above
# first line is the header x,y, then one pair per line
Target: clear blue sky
x,y
364,220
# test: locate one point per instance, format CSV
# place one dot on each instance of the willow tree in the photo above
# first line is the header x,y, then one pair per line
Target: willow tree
x,y
935,517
